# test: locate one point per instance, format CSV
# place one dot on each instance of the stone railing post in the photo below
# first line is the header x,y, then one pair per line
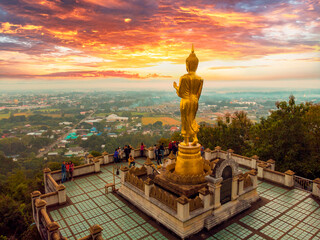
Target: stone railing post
x,y
207,154
53,229
218,148
254,161
96,162
316,188
110,158
148,165
89,159
261,166
240,188
229,153
183,211
204,194
123,173
272,164
34,195
105,157
62,195
254,178
234,190
148,184
150,153
214,188
288,179
46,172
39,204
95,231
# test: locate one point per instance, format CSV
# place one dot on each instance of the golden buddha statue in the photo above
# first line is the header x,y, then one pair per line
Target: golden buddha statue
x,y
189,90
189,161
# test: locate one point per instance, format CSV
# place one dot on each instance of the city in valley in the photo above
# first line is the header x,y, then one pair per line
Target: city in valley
x,y
72,123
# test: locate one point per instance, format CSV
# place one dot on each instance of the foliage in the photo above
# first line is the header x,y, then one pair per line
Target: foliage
x,y
228,134
164,141
290,136
176,136
23,146
15,203
95,153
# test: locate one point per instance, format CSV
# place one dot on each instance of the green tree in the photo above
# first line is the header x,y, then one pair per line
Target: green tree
x,y
157,125
95,153
283,136
176,136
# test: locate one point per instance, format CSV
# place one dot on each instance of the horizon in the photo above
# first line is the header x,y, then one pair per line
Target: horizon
x,y
112,85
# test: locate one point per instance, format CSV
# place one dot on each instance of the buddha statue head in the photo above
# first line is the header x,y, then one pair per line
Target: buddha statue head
x,y
192,62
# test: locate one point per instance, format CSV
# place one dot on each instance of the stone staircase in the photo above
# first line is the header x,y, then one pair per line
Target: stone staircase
x,y
228,210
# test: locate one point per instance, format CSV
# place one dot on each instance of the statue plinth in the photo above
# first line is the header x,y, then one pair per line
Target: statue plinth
x,y
189,169
189,161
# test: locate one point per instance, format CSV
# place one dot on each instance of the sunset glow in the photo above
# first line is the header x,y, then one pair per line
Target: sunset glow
x,y
84,39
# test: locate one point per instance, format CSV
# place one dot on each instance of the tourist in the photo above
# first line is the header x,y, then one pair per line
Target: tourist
x,y
71,169
202,150
127,151
162,150
119,154
155,150
116,156
177,144
159,161
170,147
67,171
174,147
141,149
131,161
63,171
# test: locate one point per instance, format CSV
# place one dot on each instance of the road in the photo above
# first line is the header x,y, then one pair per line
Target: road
x,y
48,148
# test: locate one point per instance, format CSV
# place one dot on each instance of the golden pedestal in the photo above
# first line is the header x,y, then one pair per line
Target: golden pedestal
x,y
189,169
189,161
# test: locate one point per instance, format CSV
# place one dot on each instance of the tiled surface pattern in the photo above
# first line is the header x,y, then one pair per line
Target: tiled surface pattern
x,y
289,214
91,206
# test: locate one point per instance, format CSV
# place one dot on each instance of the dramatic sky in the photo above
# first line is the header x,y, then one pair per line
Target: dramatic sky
x,y
148,40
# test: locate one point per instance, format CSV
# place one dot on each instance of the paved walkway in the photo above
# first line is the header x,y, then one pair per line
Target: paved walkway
x,y
281,214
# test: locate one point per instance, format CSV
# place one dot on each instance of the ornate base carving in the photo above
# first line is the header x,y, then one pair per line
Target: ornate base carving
x,y
176,188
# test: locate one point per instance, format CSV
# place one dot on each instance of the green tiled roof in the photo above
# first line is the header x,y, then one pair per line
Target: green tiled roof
x,y
286,214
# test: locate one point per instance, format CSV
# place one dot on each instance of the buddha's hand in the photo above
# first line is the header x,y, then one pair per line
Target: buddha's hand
x,y
175,85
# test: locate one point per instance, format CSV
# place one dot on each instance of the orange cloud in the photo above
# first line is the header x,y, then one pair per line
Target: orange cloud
x,y
87,74
51,37
233,67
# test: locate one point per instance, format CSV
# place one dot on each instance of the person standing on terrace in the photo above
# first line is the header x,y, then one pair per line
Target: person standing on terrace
x,y
116,156
71,169
141,149
63,172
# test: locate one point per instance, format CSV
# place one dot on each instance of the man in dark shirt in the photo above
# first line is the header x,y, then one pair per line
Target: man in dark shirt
x,y
127,151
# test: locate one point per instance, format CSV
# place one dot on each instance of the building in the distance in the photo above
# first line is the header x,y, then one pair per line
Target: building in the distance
x,y
116,118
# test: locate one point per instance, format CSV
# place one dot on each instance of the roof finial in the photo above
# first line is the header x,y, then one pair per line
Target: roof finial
x,y
192,49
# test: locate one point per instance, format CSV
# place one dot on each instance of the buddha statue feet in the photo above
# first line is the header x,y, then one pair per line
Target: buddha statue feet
x,y
195,142
184,144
